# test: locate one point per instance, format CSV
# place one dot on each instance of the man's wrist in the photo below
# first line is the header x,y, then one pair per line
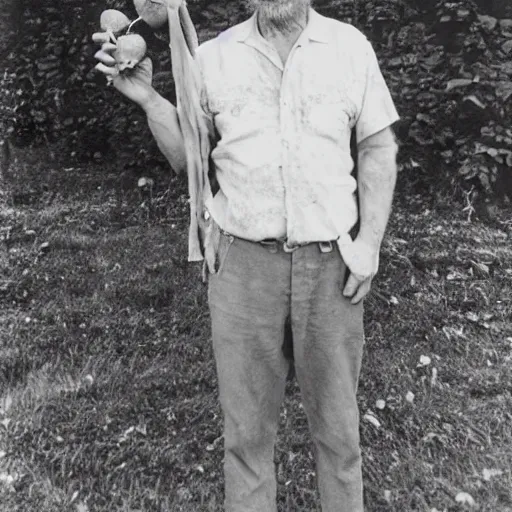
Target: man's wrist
x,y
370,238
152,102
361,257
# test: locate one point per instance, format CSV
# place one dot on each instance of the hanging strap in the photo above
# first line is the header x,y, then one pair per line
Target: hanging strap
x,y
195,130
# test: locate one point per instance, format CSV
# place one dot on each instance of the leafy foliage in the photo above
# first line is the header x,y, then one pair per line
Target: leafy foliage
x,y
447,65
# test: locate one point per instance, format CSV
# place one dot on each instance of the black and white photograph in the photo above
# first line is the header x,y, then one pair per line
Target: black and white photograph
x,y
255,256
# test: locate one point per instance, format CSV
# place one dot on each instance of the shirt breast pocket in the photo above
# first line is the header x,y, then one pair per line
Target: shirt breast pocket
x,y
329,112
235,106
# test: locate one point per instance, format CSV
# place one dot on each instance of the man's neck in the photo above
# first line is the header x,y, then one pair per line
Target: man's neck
x,y
282,40
270,32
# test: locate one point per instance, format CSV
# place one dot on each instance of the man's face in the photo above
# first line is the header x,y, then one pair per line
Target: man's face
x,y
282,14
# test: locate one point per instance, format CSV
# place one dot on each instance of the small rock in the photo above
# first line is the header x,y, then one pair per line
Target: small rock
x,y
370,418
472,317
488,474
89,380
424,361
433,379
6,478
465,499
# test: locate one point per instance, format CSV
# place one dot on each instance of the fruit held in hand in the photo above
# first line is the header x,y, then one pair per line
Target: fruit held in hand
x,y
153,13
130,50
113,21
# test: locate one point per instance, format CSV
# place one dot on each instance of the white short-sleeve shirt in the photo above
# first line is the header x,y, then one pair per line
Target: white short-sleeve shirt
x,y
282,159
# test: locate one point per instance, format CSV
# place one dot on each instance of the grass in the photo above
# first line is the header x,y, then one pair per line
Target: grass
x,y
107,382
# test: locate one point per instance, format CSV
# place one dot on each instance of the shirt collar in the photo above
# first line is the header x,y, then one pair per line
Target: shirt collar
x,y
316,30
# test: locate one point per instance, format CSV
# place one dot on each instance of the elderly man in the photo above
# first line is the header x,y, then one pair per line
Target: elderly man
x,y
284,91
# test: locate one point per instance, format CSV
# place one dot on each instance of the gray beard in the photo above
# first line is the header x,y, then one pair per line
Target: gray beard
x,y
280,16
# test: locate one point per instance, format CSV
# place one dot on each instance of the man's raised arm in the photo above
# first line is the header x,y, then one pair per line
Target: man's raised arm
x,y
164,125
136,86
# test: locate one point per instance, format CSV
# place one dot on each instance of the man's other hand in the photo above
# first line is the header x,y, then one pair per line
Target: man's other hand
x,y
362,260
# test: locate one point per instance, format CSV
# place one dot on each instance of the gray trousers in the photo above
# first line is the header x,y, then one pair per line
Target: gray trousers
x,y
255,292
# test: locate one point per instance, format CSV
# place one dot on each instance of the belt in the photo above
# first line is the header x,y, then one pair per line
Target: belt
x,y
274,245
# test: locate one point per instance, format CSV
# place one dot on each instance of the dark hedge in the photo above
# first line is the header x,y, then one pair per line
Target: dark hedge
x,y
448,67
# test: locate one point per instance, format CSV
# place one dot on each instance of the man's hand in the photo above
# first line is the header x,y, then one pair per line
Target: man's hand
x,y
362,260
135,84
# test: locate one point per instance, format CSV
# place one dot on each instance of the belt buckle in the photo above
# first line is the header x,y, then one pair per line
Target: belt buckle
x,y
325,247
287,248
271,245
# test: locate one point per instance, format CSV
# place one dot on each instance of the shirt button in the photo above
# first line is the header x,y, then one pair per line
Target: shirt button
x,y
206,215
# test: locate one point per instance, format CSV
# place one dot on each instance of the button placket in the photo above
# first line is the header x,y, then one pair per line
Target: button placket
x,y
286,119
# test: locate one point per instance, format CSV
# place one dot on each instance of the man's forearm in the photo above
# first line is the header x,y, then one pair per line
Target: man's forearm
x,y
164,125
376,179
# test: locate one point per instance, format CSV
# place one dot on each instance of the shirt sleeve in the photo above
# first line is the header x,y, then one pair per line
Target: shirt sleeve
x,y
378,109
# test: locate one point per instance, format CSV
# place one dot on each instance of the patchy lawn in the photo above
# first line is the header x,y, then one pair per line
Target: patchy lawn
x,y
107,381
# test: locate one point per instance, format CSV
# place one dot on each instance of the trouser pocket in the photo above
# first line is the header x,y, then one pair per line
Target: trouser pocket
x,y
217,245
225,243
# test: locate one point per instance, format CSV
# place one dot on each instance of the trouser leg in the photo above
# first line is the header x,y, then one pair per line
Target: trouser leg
x,y
328,345
249,303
